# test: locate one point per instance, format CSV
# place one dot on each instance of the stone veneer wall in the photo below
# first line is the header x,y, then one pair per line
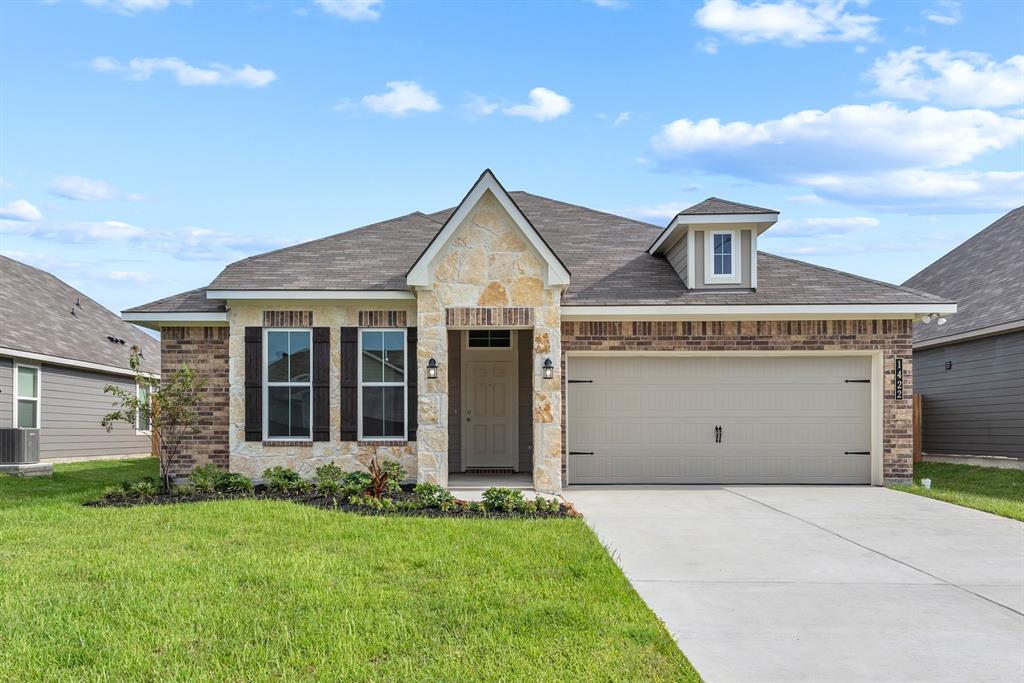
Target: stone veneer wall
x,y
893,337
205,350
252,457
488,264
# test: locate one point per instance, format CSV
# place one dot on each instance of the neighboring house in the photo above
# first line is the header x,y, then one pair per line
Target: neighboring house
x,y
515,333
969,365
58,350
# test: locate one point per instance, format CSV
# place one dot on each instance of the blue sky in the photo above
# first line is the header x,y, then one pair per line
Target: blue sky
x,y
145,144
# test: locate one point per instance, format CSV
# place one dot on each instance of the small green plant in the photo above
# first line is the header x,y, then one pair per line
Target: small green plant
x,y
385,477
114,492
396,475
183,490
549,506
329,487
205,479
232,482
497,499
282,479
434,496
144,489
355,483
328,473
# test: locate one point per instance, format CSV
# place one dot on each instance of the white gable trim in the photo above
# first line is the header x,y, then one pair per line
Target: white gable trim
x,y
421,274
759,222
754,311
69,362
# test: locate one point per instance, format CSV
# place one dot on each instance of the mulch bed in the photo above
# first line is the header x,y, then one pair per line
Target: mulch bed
x,y
328,502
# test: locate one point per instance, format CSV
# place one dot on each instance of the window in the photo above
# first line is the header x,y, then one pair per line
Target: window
x,y
382,384
142,421
722,252
26,386
287,385
489,339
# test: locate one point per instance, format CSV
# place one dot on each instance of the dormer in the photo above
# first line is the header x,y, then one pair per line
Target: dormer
x,y
713,244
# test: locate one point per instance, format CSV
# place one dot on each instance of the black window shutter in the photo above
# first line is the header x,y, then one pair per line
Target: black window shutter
x,y
321,384
253,383
411,382
349,383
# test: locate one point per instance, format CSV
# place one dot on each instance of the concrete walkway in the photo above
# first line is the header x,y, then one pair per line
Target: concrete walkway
x,y
817,583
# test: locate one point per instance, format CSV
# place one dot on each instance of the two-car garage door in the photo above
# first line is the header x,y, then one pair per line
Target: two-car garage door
x,y
719,419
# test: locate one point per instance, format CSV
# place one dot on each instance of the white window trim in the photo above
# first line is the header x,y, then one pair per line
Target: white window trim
x,y
511,341
405,386
735,276
138,415
38,398
267,384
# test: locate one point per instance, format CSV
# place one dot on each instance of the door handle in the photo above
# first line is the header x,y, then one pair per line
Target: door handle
x,y
718,434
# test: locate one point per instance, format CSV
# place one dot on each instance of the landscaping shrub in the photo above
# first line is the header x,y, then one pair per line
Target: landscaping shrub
x,y
327,473
232,482
204,479
433,496
114,492
355,483
385,477
144,489
284,480
497,499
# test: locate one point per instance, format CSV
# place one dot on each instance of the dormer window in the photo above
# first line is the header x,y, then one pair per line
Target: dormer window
x,y
722,253
723,258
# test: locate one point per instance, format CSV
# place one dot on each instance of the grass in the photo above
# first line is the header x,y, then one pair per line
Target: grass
x,y
260,590
1000,492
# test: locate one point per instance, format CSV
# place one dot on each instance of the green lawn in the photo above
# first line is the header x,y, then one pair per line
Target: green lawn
x,y
259,590
1000,492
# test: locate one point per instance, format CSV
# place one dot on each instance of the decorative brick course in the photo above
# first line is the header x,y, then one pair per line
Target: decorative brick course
x,y
489,316
288,318
892,337
382,319
205,350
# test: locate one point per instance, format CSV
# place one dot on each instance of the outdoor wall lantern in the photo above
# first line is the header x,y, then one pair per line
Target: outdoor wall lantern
x,y
549,369
431,369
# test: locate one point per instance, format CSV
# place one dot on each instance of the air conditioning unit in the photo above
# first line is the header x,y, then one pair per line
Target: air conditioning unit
x,y
19,446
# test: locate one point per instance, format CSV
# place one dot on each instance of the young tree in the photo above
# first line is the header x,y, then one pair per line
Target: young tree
x,y
168,405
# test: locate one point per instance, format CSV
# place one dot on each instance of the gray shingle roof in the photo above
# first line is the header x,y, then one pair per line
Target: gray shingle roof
x,y
985,275
192,301
606,254
713,206
35,316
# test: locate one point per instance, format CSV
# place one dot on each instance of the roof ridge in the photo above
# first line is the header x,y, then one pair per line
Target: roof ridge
x,y
587,208
890,285
759,209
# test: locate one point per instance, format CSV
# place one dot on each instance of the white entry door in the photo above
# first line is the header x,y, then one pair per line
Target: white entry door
x,y
719,419
490,415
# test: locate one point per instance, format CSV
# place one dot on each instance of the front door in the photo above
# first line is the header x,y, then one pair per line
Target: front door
x,y
490,415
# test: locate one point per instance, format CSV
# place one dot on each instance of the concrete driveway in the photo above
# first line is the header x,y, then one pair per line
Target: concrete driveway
x,y
819,583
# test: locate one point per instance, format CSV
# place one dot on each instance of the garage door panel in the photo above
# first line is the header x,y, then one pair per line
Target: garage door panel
x,y
784,420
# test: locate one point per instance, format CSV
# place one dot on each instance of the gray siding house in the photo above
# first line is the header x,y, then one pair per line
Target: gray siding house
x,y
517,334
970,368
58,350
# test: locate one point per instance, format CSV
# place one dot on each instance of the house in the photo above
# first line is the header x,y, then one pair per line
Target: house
x,y
58,350
515,333
969,365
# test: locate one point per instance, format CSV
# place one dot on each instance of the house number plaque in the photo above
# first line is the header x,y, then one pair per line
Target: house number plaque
x,y
899,379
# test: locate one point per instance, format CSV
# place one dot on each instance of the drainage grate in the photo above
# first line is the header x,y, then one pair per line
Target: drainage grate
x,y
490,470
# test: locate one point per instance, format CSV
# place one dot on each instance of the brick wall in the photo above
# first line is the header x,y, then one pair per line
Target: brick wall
x,y
205,350
892,337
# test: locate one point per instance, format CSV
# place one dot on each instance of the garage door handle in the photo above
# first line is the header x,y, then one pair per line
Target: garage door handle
x,y
581,452
718,435
857,381
856,452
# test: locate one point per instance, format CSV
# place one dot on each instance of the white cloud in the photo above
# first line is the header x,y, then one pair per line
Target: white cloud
x,y
353,10
133,7
87,189
141,68
402,97
657,212
806,199
544,105
877,154
478,105
954,78
790,22
945,12
611,4
203,244
20,210
814,227
709,45
98,231
621,118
